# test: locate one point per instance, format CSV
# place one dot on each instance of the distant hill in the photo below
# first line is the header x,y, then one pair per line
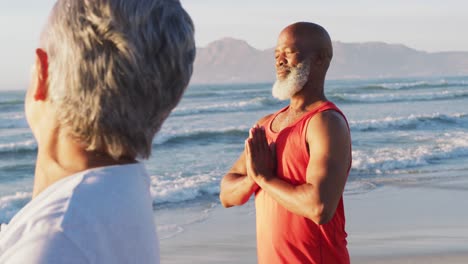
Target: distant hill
x,y
235,61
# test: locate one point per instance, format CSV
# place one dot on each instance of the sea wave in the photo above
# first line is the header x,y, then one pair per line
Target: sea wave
x,y
11,105
23,146
229,93
246,105
408,122
415,84
390,159
11,204
398,97
14,171
163,138
13,120
181,189
11,102
174,137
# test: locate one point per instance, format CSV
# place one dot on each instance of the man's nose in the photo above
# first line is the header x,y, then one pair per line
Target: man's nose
x,y
280,61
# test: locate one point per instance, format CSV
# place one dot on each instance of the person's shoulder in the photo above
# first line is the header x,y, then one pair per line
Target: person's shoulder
x,y
331,120
39,245
47,210
331,115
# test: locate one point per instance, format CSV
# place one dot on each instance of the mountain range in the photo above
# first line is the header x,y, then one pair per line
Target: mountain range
x,y
231,60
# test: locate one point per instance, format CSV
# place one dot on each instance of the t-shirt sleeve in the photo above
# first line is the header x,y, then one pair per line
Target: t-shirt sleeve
x,y
46,248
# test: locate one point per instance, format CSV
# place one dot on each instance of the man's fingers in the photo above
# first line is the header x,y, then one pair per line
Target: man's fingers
x,y
264,139
258,142
252,148
261,141
254,143
273,149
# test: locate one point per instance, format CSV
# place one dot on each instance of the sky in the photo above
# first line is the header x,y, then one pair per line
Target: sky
x,y
427,25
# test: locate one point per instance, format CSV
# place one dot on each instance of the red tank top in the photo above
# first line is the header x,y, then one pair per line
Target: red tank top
x,y
282,236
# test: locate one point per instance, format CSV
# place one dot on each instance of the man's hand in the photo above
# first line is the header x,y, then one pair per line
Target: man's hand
x,y
260,157
237,186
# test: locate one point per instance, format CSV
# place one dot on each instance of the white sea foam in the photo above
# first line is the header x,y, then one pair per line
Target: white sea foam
x,y
12,115
215,107
401,85
357,187
402,121
168,134
403,97
169,230
422,84
13,120
228,93
180,189
172,222
388,159
11,204
17,146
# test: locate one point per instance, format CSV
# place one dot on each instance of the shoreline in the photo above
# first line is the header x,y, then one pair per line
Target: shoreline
x,y
391,224
430,258
225,236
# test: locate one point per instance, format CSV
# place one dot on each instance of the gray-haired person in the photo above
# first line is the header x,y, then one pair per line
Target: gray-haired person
x,y
107,74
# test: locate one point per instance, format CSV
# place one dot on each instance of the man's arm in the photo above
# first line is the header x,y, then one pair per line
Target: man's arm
x,y
329,148
236,186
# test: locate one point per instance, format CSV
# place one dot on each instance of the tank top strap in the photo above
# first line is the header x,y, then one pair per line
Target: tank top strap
x,y
268,121
303,121
320,108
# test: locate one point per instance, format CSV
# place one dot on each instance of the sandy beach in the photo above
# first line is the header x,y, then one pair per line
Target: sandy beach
x,y
397,223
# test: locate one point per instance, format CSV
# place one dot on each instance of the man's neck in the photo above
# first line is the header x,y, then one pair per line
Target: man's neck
x,y
309,97
60,156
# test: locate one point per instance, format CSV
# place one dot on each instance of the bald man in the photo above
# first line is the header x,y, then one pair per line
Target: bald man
x,y
296,161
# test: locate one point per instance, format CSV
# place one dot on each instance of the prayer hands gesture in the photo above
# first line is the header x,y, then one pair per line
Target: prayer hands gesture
x,y
260,157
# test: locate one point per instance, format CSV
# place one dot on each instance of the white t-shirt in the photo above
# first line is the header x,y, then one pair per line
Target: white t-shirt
x,y
98,216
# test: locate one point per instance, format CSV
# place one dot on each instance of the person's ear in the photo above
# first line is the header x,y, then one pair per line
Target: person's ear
x,y
42,75
320,58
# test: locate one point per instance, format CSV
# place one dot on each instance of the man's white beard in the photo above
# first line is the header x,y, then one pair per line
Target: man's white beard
x,y
294,82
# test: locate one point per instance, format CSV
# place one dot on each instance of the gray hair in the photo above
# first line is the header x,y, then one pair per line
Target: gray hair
x,y
116,69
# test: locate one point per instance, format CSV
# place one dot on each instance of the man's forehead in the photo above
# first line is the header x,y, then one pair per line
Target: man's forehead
x,y
287,41
285,48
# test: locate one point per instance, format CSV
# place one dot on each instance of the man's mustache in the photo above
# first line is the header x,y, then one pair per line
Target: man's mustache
x,y
283,68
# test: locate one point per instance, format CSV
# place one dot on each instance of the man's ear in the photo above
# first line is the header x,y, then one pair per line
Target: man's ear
x,y
42,75
320,58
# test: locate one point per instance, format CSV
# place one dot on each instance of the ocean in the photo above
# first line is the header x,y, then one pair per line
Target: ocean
x,y
404,131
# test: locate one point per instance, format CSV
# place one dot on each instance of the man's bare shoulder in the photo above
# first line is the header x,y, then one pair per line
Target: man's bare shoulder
x,y
328,122
328,137
329,117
